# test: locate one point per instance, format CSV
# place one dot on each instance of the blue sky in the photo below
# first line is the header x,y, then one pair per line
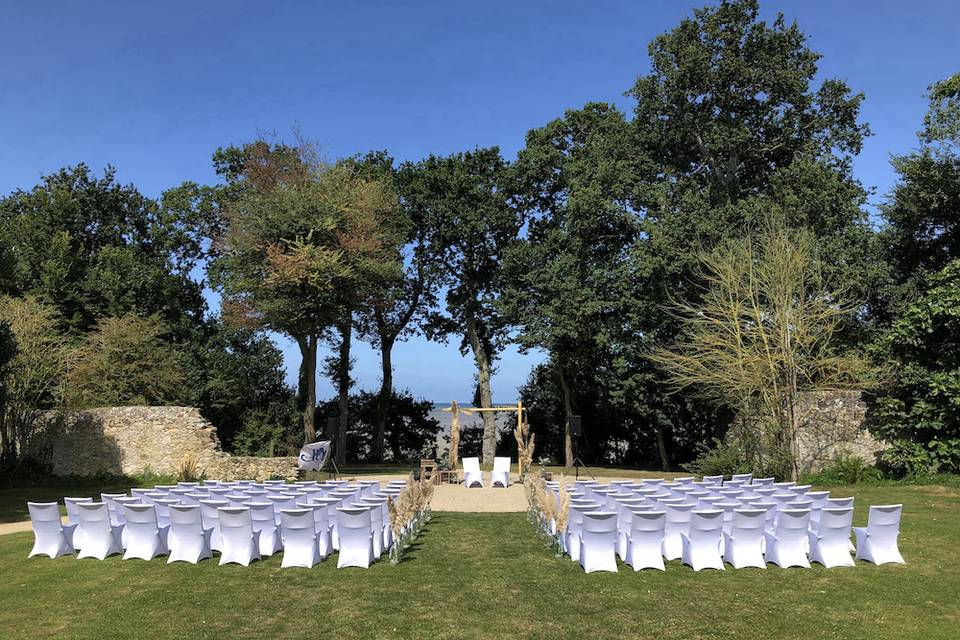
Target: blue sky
x,y
154,88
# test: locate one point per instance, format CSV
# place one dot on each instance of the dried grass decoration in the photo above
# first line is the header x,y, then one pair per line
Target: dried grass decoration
x,y
408,513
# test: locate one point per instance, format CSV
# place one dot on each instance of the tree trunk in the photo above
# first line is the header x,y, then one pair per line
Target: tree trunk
x,y
383,398
482,359
343,387
662,448
308,378
567,411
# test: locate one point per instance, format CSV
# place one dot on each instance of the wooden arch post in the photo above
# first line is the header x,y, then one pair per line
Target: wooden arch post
x,y
522,433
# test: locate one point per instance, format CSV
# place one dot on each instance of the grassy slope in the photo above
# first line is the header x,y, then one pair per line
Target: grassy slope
x,y
488,576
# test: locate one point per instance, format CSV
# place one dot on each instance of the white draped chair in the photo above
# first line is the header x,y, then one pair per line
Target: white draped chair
x,y
111,500
162,507
299,532
877,542
786,545
713,480
94,536
472,477
50,537
240,542
501,473
625,509
187,540
356,539
145,539
743,544
376,523
210,517
575,525
745,478
678,523
598,541
321,524
830,539
264,522
645,544
280,502
71,505
701,544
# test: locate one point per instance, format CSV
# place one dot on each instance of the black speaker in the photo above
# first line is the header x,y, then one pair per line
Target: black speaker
x,y
576,428
333,424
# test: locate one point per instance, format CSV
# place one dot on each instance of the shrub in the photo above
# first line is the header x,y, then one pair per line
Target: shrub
x,y
845,469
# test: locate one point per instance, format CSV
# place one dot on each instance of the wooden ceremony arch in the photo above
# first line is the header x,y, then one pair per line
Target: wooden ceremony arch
x,y
521,432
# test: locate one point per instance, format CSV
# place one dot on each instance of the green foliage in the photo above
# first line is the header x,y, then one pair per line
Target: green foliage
x,y
269,431
918,410
845,469
125,361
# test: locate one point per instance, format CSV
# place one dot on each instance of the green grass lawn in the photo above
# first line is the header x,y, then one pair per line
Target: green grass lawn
x,y
489,576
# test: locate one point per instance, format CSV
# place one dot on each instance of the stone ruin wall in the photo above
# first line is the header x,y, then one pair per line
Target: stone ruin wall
x,y
131,440
834,423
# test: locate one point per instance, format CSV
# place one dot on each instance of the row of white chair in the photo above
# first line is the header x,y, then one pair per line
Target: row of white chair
x,y
648,527
308,526
473,477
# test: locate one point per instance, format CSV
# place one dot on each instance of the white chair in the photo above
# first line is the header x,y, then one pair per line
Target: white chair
x,y
298,529
162,507
501,473
830,541
71,505
280,502
95,537
877,542
838,502
763,482
264,522
187,540
210,517
684,481
471,473
356,540
145,539
111,500
575,525
321,524
743,544
598,542
714,480
239,540
625,509
678,523
701,544
645,544
786,545
376,523
745,478
50,537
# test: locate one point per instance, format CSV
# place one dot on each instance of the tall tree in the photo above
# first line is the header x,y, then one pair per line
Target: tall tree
x,y
463,207
565,278
299,239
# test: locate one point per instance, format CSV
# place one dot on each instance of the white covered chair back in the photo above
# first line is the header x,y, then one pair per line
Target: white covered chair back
x,y
356,539
471,472
678,523
187,541
645,544
877,542
239,540
71,505
598,541
299,532
50,538
743,543
501,473
701,544
145,540
94,536
786,545
263,519
210,517
830,541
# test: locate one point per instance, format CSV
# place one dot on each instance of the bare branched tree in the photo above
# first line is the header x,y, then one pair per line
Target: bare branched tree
x,y
761,336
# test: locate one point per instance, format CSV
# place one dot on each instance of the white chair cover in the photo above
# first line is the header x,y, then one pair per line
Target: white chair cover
x,y
110,500
743,544
786,545
263,519
299,532
877,542
678,523
830,541
145,540
646,540
187,540
501,473
701,545
356,540
471,473
239,539
599,541
50,537
95,537
575,525
210,517
71,505
745,478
